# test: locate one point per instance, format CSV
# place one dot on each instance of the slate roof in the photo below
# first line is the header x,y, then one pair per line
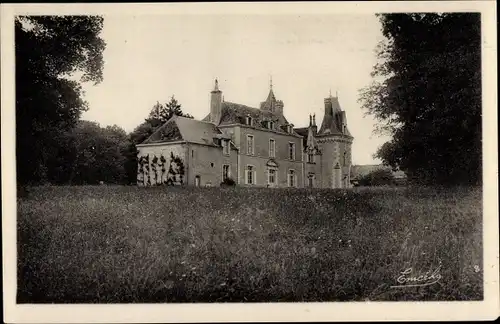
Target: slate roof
x,y
233,113
271,97
186,129
332,121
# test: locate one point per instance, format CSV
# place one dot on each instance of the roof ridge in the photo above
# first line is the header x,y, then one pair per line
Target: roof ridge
x,y
196,120
235,103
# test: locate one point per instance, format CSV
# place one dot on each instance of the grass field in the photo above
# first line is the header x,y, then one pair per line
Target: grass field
x,y
127,244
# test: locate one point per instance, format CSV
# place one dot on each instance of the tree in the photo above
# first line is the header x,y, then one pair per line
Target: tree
x,y
426,93
89,154
158,116
49,51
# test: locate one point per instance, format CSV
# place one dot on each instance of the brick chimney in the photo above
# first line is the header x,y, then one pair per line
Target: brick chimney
x,y
216,104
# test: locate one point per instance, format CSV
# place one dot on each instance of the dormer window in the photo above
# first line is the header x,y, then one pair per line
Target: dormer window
x,y
310,158
248,120
270,124
289,129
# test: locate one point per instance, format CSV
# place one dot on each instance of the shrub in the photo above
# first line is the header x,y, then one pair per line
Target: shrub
x,y
228,182
379,177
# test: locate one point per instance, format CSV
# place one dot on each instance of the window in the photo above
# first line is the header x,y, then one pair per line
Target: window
x,y
291,151
250,175
271,179
310,158
197,181
310,180
225,172
272,148
225,147
270,124
345,158
289,128
291,178
250,147
249,120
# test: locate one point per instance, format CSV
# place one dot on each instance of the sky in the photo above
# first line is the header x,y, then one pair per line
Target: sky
x,y
149,58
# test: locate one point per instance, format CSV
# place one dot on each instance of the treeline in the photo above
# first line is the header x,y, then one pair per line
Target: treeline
x,y
92,154
426,94
89,154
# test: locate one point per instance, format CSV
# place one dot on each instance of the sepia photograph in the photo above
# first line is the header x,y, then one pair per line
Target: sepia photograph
x,y
248,157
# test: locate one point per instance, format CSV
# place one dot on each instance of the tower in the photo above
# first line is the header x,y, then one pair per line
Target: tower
x,y
271,104
336,142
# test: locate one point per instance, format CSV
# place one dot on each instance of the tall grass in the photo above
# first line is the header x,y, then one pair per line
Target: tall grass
x,y
112,244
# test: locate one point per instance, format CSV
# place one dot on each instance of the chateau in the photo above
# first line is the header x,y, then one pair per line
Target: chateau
x,y
251,146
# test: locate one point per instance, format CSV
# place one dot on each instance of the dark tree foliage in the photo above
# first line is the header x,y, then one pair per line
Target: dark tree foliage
x,y
91,154
49,49
427,94
159,115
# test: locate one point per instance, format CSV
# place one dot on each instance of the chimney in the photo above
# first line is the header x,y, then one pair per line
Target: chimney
x,y
216,104
343,121
328,107
314,127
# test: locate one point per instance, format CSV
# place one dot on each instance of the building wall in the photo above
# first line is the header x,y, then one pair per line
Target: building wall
x,y
346,146
333,148
314,169
165,149
261,156
261,143
261,176
328,159
207,161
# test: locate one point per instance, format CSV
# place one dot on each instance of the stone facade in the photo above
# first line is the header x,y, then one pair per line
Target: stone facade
x,y
252,146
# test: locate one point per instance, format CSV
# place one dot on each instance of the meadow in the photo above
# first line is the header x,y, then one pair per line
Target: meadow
x,y
122,244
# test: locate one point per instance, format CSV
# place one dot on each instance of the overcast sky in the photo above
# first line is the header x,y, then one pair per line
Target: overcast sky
x,y
151,58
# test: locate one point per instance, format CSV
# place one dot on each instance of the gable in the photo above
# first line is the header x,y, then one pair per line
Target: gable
x,y
168,132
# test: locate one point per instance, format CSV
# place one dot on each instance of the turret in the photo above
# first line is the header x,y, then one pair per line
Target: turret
x,y
271,104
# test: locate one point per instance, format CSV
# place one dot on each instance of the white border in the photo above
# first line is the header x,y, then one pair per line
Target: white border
x,y
347,311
